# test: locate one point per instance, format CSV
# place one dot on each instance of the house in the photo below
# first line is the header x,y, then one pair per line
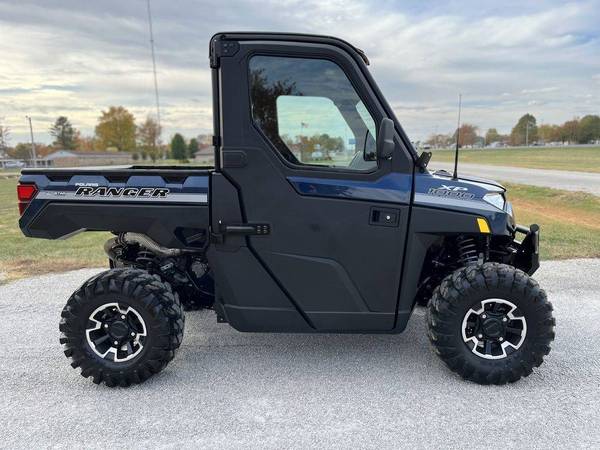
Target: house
x,y
205,153
71,158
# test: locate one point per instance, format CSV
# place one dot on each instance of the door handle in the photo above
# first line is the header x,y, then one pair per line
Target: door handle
x,y
245,229
239,229
384,217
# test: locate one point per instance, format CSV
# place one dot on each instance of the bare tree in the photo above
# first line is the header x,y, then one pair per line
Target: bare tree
x,y
4,138
148,135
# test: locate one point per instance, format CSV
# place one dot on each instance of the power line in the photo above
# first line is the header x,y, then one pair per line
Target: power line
x,y
154,70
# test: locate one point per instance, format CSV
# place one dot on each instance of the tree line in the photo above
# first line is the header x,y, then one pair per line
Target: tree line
x,y
585,130
115,131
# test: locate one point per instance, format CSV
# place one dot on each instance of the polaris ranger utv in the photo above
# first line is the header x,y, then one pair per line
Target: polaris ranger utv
x,y
318,217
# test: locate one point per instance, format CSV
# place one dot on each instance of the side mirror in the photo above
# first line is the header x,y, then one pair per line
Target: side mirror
x,y
385,139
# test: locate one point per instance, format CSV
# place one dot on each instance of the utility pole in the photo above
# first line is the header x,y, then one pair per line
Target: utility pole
x,y
154,71
33,154
527,133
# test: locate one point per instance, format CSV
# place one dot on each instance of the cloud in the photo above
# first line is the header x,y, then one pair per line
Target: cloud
x,y
540,90
77,58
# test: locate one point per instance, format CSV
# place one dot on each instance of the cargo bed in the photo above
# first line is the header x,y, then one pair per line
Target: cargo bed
x,y
169,204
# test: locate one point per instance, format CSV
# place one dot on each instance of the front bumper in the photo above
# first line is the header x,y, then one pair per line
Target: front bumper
x,y
527,257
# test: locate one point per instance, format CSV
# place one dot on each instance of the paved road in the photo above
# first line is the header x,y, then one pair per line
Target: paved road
x,y
557,179
231,390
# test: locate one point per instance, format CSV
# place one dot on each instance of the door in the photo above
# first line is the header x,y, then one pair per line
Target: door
x,y
299,126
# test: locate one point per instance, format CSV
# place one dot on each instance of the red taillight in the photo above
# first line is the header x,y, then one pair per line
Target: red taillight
x,y
25,193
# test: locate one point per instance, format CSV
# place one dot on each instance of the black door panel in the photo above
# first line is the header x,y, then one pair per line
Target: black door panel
x,y
337,260
350,256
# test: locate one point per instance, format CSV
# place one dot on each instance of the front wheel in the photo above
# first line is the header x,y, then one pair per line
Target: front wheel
x,y
121,327
490,323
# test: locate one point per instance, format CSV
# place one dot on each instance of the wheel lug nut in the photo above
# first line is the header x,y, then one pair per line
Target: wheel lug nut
x,y
504,319
132,334
105,325
116,342
483,316
501,339
480,336
123,317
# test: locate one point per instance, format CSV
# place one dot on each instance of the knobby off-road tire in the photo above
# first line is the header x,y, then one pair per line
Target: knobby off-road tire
x,y
188,302
136,307
458,331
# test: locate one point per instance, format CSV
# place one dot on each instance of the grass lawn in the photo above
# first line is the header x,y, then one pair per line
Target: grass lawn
x,y
570,223
21,256
585,159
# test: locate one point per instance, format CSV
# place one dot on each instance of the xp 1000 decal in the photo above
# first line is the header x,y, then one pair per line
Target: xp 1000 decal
x,y
444,190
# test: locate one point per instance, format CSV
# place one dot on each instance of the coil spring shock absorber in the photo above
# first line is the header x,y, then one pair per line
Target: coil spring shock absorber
x,y
467,250
146,258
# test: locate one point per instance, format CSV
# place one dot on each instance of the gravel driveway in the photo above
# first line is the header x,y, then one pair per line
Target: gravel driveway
x,y
231,390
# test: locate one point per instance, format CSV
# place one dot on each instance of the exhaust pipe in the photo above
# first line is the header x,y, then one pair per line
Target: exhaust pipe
x,y
149,244
143,241
109,248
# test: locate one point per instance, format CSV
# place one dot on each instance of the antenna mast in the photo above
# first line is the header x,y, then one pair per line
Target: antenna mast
x,y
455,176
154,71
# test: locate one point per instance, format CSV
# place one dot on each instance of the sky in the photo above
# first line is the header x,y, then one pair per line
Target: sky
x,y
507,58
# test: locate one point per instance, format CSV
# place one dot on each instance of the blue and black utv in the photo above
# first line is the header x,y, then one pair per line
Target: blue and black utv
x,y
318,217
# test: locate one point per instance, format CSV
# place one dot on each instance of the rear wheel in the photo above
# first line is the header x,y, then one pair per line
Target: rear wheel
x,y
490,323
121,327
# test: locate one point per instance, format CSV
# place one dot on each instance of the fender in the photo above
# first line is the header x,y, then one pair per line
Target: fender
x,y
428,225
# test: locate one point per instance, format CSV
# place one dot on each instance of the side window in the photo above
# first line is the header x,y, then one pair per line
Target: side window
x,y
311,113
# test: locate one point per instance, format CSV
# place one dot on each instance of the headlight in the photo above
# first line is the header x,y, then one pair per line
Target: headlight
x,y
495,199
509,210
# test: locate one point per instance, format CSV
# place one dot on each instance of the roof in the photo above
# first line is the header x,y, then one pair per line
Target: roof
x,y
59,154
267,35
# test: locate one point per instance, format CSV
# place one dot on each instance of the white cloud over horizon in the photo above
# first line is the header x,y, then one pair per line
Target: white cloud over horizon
x,y
73,58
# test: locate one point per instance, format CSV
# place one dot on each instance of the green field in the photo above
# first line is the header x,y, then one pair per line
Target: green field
x,y
21,256
569,221
570,224
585,159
